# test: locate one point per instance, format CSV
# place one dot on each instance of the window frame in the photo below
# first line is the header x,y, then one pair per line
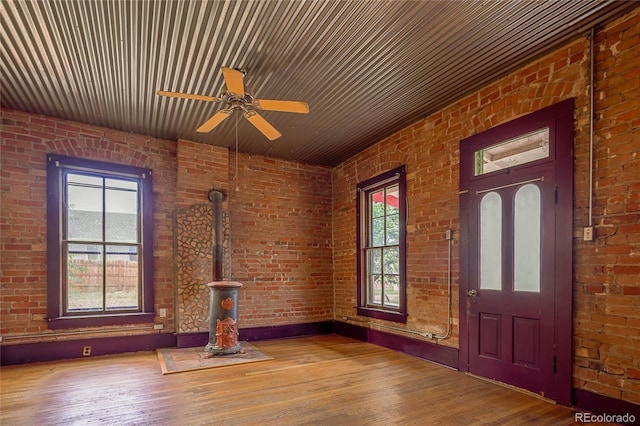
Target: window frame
x,y
57,165
392,177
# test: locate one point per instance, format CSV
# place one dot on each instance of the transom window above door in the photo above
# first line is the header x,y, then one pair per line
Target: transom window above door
x,y
522,149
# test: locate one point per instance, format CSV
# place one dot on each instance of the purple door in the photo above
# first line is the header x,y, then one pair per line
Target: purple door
x,y
510,297
515,274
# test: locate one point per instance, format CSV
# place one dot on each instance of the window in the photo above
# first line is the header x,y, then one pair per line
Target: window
x,y
99,243
522,149
381,214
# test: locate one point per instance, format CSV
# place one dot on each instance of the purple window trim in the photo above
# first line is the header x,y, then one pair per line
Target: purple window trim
x,y
400,314
55,313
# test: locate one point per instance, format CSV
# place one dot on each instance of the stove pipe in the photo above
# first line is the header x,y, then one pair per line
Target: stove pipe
x,y
216,203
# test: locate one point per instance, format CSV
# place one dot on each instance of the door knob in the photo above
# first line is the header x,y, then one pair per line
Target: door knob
x,y
473,292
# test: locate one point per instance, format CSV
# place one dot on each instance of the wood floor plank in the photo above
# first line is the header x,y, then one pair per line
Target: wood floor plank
x,y
323,380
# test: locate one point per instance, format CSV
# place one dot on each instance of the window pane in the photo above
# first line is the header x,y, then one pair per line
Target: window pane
x,y
393,229
375,260
84,277
391,261
122,184
122,277
527,239
121,206
84,201
393,215
392,290
392,199
84,180
375,289
491,242
376,200
391,265
377,232
374,272
523,149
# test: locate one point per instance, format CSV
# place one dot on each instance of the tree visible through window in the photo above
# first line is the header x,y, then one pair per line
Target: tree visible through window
x,y
99,239
383,260
381,239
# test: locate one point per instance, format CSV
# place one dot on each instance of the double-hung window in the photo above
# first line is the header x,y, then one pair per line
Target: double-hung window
x,y
381,223
99,243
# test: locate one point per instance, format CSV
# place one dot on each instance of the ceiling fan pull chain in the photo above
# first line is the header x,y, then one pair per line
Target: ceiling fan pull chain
x,y
237,172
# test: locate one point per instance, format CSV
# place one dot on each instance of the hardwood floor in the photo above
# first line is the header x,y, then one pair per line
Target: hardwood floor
x,y
323,380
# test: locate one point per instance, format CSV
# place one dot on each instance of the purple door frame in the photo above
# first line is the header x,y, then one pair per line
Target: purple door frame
x,y
559,119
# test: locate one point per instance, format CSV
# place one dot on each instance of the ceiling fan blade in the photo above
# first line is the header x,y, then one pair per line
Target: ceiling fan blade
x,y
188,96
263,125
284,106
233,79
216,119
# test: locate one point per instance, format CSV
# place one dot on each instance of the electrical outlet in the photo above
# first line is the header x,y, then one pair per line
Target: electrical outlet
x,y
163,312
86,351
158,326
587,233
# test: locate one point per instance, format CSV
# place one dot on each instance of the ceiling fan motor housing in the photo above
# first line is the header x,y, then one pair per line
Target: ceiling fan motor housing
x,y
237,102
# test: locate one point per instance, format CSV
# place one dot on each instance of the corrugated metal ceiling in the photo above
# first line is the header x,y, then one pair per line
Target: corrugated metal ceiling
x,y
366,68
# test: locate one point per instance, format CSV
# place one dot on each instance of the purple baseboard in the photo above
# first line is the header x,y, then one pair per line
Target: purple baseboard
x,y
444,355
69,349
284,331
601,404
190,340
350,330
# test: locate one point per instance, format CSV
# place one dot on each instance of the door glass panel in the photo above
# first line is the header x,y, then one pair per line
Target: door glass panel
x,y
491,242
520,150
526,242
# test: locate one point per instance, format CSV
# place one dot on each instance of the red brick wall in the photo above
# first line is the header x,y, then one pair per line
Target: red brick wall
x,y
280,230
281,234
607,270
280,221
26,139
201,167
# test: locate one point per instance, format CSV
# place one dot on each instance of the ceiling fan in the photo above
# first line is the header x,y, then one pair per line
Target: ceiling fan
x,y
235,98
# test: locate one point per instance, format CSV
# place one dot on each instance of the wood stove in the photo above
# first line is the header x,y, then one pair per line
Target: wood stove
x,y
223,320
